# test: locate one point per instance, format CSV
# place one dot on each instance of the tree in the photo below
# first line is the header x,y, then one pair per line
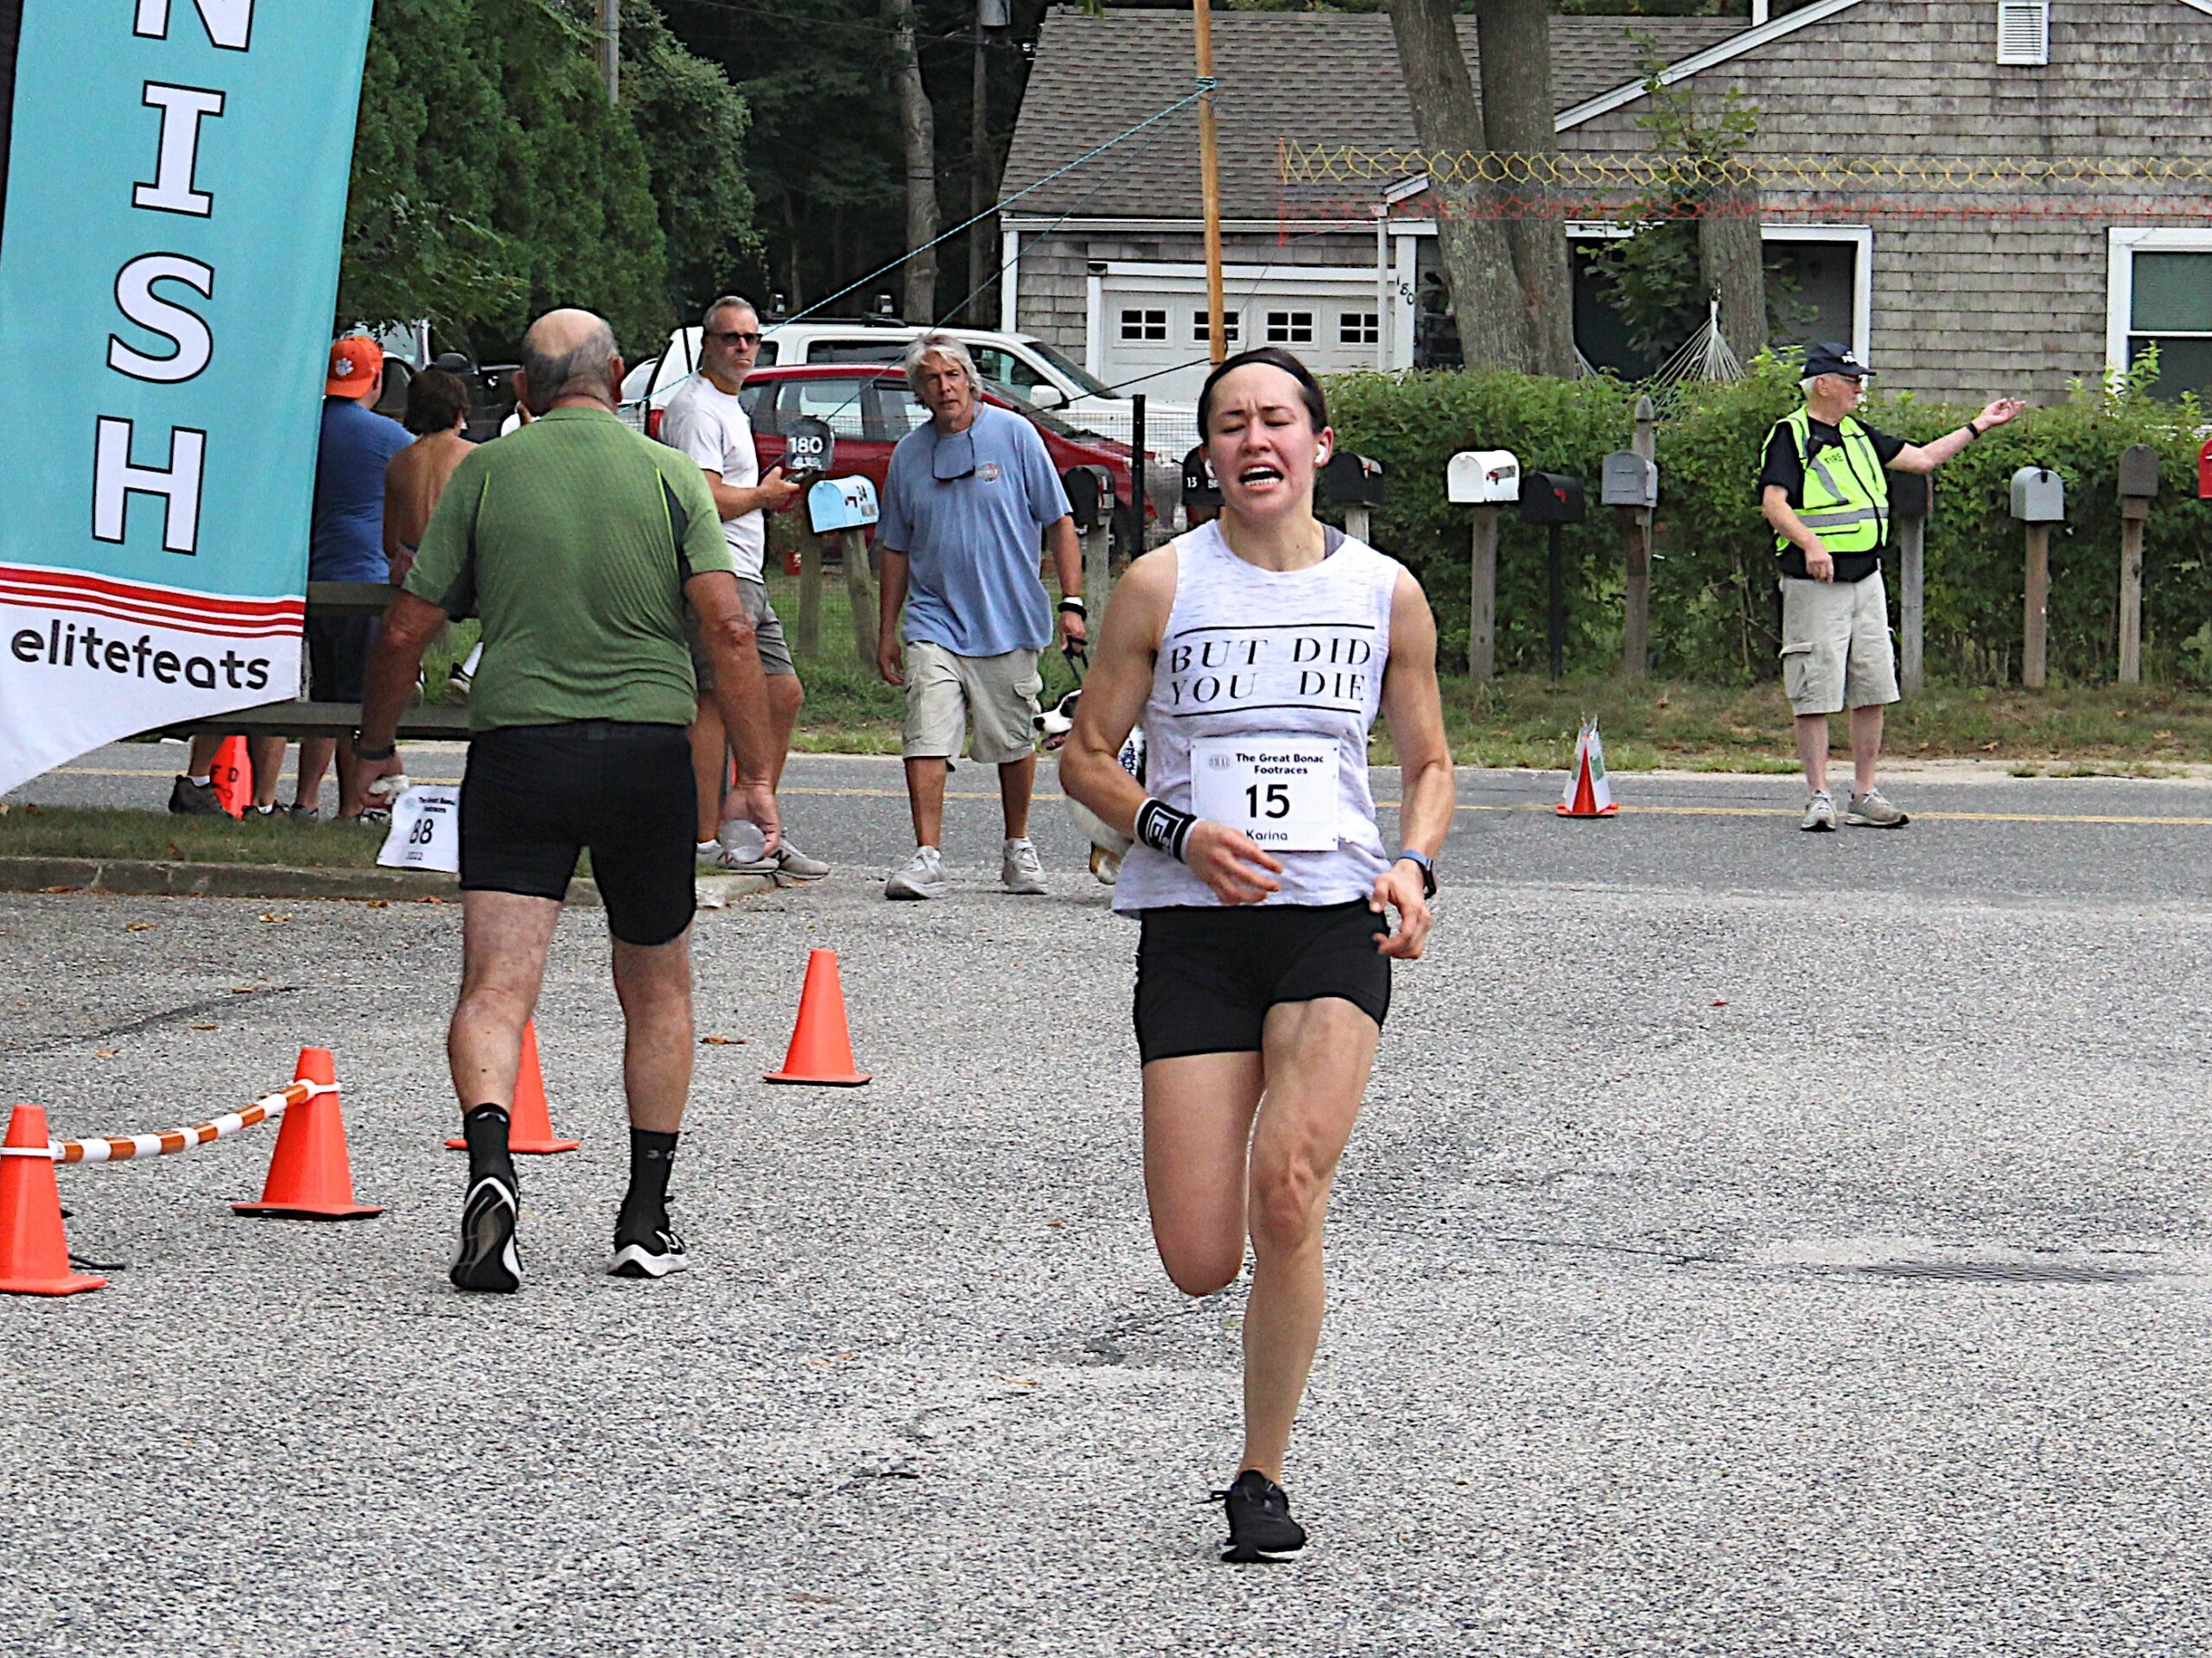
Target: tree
x,y
1494,330
1514,45
917,146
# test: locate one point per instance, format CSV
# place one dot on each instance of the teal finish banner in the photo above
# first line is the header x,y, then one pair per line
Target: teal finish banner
x,y
168,269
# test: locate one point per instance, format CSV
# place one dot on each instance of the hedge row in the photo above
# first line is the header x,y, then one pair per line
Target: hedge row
x,y
1713,614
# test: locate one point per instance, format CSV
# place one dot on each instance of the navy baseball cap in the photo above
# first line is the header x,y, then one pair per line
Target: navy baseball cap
x,y
1832,359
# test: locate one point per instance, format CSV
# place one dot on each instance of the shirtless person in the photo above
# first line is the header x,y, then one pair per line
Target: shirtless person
x,y
437,413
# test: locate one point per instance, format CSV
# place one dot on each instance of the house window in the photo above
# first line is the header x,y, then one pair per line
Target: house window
x,y
1359,328
2162,298
2023,31
1290,328
1138,324
1231,327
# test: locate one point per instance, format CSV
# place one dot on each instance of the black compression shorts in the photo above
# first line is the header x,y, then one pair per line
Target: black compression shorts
x,y
1207,977
535,796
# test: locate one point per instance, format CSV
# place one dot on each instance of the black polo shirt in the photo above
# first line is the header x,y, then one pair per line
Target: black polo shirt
x,y
1784,468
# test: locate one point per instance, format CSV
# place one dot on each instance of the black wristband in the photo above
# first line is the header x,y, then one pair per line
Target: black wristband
x,y
1073,603
372,754
1163,828
1973,433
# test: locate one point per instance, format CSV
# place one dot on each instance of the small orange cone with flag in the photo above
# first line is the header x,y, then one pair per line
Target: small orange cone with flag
x,y
34,1251
1588,792
530,1125
233,776
310,1178
822,1046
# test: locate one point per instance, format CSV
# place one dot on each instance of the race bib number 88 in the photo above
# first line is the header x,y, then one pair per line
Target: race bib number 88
x,y
1280,790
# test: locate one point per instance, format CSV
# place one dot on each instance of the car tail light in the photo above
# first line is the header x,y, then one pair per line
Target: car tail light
x,y
653,421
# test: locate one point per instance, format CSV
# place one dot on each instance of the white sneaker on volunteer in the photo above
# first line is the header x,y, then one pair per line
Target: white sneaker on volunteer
x,y
738,851
1020,868
923,877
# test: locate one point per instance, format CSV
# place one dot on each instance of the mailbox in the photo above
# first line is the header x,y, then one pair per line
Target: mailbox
x,y
810,447
1910,496
2139,473
838,504
2038,496
1552,498
1351,480
1629,480
1483,477
1090,495
1200,492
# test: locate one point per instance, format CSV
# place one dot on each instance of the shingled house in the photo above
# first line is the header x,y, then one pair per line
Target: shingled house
x,y
2053,215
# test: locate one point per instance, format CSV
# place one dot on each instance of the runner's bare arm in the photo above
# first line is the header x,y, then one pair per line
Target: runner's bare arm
x,y
740,690
892,600
409,625
1227,860
1415,710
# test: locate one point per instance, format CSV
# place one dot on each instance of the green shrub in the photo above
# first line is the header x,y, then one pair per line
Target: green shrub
x,y
1712,607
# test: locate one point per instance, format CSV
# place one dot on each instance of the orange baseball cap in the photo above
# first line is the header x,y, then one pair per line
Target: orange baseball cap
x,y
356,359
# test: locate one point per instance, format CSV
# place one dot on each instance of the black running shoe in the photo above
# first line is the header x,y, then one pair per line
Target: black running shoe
x,y
487,1259
190,799
1260,1526
647,1252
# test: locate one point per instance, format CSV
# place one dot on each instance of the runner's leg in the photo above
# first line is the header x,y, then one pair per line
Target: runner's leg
x,y
653,982
1317,1057
925,798
1017,782
504,938
1198,1123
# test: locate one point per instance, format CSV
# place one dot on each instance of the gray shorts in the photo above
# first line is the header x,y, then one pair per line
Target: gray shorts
x,y
1836,649
946,694
767,636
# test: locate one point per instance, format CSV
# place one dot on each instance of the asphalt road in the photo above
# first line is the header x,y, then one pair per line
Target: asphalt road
x,y
1755,1243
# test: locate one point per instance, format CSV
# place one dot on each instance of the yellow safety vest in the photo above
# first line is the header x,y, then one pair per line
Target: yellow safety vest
x,y
1847,495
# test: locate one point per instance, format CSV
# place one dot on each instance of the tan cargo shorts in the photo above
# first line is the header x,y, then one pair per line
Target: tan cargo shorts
x,y
1836,652
946,694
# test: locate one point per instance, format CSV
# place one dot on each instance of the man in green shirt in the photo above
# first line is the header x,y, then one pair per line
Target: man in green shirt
x,y
579,542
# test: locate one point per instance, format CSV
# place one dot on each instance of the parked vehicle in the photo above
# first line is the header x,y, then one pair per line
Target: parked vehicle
x,y
870,409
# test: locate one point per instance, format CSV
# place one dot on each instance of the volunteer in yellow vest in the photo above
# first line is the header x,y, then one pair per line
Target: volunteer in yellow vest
x,y
1825,489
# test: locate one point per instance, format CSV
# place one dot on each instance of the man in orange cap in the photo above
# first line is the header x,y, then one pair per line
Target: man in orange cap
x,y
345,544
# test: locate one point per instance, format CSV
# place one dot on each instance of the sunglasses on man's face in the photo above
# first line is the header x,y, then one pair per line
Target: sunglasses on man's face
x,y
732,338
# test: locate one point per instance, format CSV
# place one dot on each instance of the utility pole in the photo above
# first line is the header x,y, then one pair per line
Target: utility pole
x,y
610,46
980,252
1209,179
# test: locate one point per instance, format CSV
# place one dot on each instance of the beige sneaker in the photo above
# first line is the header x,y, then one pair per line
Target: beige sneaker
x,y
1820,813
1870,810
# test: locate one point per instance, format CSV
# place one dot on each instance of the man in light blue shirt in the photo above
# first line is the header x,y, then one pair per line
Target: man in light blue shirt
x,y
966,500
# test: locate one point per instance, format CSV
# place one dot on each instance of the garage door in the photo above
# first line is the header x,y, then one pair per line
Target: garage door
x,y
1149,324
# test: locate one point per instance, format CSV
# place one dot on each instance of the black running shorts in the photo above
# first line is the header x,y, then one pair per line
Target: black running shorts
x,y
1207,976
535,796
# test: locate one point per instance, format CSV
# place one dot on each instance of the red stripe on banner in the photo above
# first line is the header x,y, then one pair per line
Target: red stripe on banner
x,y
181,599
273,628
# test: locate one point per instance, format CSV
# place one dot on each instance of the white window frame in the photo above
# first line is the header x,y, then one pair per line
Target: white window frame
x,y
1232,326
1290,326
1367,325
2119,281
1862,285
2038,11
1144,315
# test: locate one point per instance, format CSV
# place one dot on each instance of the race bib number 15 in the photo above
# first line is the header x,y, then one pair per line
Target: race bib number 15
x,y
1280,790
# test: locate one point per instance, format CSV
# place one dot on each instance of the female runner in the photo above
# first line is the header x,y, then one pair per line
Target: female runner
x,y
1258,650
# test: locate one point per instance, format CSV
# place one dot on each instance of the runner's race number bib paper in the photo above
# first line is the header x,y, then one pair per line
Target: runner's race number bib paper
x,y
425,831
1280,790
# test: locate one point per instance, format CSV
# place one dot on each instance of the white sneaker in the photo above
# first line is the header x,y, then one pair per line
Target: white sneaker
x,y
716,859
1820,813
793,864
923,877
1021,870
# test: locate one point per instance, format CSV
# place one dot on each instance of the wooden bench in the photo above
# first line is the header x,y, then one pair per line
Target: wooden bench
x,y
296,717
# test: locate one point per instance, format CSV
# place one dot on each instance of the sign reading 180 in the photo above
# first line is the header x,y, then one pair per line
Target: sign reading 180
x,y
175,188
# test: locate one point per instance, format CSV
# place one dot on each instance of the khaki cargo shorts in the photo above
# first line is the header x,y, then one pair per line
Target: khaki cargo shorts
x,y
947,693
768,641
1837,652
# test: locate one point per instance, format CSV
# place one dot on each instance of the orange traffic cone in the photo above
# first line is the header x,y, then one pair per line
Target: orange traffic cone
x,y
233,776
530,1125
1588,792
309,1178
34,1252
822,1048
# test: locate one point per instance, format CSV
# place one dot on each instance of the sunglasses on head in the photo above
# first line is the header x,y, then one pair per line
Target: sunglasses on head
x,y
734,337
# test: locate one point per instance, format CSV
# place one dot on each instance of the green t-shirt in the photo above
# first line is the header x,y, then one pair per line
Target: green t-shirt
x,y
572,538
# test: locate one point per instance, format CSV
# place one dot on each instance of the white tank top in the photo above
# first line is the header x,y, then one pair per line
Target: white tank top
x,y
1291,661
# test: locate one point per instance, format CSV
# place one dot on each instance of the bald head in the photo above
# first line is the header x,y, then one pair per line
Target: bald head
x,y
569,353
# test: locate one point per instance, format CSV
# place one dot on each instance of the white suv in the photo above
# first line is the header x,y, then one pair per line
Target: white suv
x,y
1021,362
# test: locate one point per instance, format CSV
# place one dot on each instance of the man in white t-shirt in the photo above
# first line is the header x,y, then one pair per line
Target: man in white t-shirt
x,y
705,420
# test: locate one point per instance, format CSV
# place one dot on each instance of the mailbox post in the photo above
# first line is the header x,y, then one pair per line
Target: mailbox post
x,y
1912,495
1091,502
1554,500
845,507
1354,483
1630,486
2038,501
810,450
2139,485
1485,479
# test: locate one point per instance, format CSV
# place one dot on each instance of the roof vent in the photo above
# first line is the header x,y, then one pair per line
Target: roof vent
x,y
2023,31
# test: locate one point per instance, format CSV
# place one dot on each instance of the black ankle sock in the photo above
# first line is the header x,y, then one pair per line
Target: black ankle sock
x,y
651,1156
485,1128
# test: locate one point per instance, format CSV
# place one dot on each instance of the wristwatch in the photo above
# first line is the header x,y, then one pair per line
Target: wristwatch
x,y
372,754
1428,867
